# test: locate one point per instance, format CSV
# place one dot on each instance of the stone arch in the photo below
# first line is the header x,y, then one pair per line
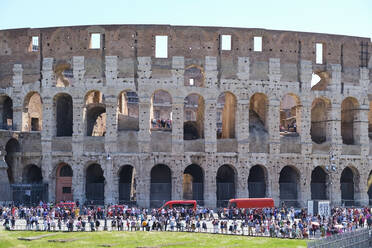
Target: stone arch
x,y
349,182
127,184
194,76
257,181
95,113
319,184
289,185
258,123
12,149
193,183
32,112
94,185
161,185
350,130
63,113
193,127
320,130
128,111
225,179
161,110
290,113
226,112
6,112
32,174
64,175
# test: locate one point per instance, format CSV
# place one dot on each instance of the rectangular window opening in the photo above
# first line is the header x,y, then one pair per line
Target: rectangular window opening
x,y
66,190
257,44
161,46
319,53
191,82
226,42
35,44
95,41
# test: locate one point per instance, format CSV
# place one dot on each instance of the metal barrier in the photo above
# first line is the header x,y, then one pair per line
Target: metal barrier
x,y
23,193
357,239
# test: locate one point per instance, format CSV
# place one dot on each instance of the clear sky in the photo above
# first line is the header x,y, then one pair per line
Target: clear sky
x,y
347,17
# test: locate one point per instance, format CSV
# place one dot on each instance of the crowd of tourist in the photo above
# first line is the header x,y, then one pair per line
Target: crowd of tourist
x,y
274,222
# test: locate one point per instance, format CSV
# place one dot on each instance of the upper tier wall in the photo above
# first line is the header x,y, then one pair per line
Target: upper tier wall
x,y
194,43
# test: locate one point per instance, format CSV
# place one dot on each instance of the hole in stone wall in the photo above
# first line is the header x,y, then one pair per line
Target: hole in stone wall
x,y
161,46
161,111
257,44
194,127
226,42
226,108
95,41
128,111
319,53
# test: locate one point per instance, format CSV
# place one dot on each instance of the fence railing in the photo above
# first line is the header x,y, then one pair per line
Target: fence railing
x,y
357,239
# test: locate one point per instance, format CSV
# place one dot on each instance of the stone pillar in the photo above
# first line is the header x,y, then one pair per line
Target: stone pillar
x,y
177,181
242,182
210,136
46,146
109,181
111,121
211,72
17,97
242,127
178,70
273,190
364,171
243,68
304,193
177,125
48,74
111,71
274,70
210,183
78,182
364,110
4,181
78,125
143,182
335,123
144,138
305,125
274,135
78,69
335,188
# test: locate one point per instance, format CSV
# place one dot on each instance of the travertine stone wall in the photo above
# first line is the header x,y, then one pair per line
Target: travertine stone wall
x,y
128,63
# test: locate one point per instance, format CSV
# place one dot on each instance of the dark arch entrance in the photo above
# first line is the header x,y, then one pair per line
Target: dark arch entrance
x,y
32,174
257,182
161,185
193,183
12,148
319,187
6,112
95,185
64,183
288,184
32,190
225,185
347,187
127,190
64,115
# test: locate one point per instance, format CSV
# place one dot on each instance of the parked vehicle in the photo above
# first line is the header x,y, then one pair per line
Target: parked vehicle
x,y
180,203
251,203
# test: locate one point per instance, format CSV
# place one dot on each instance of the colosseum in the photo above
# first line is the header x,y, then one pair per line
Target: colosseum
x,y
140,114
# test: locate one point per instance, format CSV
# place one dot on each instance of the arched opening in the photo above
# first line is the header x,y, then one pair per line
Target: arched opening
x,y
347,187
226,109
319,181
320,120
127,185
63,72
12,148
95,114
257,182
95,185
128,111
161,111
289,186
64,175
32,113
6,112
290,115
161,185
194,76
32,174
63,114
349,119
225,185
193,183
258,123
193,127
32,191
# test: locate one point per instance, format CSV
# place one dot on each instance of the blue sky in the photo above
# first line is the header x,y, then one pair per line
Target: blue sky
x,y
352,17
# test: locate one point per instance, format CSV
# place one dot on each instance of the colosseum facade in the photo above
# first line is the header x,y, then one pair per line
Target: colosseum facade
x,y
147,113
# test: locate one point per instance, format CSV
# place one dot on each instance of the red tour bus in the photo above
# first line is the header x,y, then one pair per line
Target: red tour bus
x,y
251,203
179,204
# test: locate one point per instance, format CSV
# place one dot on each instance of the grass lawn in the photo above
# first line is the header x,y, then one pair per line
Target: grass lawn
x,y
141,239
